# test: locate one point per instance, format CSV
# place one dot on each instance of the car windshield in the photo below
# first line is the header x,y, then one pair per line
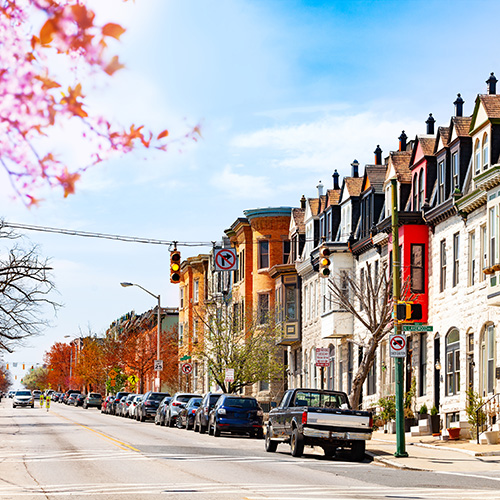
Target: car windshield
x,y
195,402
319,400
156,397
185,398
94,395
214,399
240,402
23,393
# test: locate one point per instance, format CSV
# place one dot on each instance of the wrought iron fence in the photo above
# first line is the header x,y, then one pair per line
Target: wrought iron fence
x,y
487,414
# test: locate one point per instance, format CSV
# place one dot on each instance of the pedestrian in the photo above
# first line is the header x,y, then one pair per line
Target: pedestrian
x,y
47,401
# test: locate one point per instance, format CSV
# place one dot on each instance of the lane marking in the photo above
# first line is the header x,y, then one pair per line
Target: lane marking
x,y
116,442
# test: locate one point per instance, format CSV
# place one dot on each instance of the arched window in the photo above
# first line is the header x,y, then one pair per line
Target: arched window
x,y
487,360
452,362
485,152
421,190
331,368
477,157
415,192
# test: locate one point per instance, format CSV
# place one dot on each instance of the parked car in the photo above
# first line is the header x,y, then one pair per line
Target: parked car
x,y
174,407
236,414
67,394
185,419
202,412
318,418
71,399
93,399
161,410
106,404
36,394
79,399
149,404
122,408
116,400
55,396
11,393
23,398
133,405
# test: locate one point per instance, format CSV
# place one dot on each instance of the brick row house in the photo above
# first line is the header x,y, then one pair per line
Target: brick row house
x,y
448,202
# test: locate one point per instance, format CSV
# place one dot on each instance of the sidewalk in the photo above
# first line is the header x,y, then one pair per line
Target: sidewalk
x,y
432,454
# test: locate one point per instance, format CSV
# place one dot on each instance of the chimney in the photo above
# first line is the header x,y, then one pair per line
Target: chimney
x,y
355,167
336,180
378,155
492,84
303,202
459,106
430,124
320,189
402,141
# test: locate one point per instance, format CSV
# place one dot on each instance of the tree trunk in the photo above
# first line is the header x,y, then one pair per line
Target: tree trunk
x,y
362,373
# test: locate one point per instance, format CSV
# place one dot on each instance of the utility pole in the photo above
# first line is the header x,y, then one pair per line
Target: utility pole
x,y
396,271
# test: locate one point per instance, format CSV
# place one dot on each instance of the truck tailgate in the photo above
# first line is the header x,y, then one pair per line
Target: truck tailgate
x,y
338,418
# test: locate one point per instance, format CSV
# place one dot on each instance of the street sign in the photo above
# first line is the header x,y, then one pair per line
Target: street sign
x,y
112,374
112,382
229,375
397,346
132,379
225,259
418,328
185,358
158,365
322,356
187,368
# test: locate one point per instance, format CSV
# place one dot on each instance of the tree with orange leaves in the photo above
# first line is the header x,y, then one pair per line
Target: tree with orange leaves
x,y
58,359
90,367
41,43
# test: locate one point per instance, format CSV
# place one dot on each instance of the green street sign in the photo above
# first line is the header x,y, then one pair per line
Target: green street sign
x,y
418,328
185,358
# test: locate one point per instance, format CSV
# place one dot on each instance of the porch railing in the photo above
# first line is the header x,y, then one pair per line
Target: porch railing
x,y
487,415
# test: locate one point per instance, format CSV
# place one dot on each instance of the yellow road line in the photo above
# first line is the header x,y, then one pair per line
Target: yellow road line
x,y
116,442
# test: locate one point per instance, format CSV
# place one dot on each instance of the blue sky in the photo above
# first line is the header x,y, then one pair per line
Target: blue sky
x,y
285,91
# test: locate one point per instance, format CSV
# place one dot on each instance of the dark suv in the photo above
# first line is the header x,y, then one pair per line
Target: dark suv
x,y
149,404
115,401
201,415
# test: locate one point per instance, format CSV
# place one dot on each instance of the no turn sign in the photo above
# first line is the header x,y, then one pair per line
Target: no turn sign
x,y
187,368
225,259
397,346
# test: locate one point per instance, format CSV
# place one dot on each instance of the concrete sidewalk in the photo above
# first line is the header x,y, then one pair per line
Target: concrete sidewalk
x,y
433,454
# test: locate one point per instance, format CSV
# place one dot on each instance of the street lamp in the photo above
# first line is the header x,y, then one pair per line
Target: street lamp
x,y
157,297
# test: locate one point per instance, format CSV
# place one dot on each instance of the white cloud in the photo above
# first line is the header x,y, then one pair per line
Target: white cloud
x,y
330,142
241,185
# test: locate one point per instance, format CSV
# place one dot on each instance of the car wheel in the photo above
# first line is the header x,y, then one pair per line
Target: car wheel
x,y
358,451
203,429
329,451
260,434
270,445
171,423
209,429
297,443
195,426
156,421
216,430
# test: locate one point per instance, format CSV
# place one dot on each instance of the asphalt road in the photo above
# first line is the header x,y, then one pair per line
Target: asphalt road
x,y
74,453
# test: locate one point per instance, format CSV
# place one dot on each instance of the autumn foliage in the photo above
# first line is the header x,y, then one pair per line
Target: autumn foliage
x,y
47,48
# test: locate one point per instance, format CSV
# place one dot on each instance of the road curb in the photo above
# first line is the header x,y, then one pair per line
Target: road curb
x,y
395,465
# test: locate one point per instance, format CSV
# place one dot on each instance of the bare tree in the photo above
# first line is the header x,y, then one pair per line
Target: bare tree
x,y
25,288
245,343
369,300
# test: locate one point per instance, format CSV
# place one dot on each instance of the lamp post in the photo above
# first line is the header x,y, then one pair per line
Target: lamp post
x,y
157,297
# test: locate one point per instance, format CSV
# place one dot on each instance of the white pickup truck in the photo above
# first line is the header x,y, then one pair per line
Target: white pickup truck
x,y
318,418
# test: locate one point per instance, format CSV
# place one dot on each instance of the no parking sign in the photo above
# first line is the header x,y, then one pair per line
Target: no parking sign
x,y
397,346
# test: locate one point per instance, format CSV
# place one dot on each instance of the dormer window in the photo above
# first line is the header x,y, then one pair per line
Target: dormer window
x,y
415,192
485,152
441,174
421,190
477,157
455,169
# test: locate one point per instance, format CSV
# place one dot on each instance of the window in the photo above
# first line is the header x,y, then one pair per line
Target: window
x,y
362,287
371,379
329,226
472,257
264,385
241,265
341,369
195,331
290,302
477,157
455,170
181,293
441,178
421,190
484,252
196,291
456,257
422,388
350,367
415,192
442,274
487,371
263,312
470,360
452,363
331,368
485,152
263,254
417,268
181,333
286,251
493,220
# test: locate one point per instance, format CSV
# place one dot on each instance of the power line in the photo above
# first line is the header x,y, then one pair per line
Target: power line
x,y
116,237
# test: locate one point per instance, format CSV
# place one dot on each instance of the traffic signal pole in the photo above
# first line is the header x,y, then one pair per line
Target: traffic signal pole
x,y
396,276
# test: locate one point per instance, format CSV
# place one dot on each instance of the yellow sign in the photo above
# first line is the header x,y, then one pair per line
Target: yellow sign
x,y
112,382
112,374
132,379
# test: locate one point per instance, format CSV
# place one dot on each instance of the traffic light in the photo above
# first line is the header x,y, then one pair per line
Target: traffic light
x,y
175,266
408,311
324,261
